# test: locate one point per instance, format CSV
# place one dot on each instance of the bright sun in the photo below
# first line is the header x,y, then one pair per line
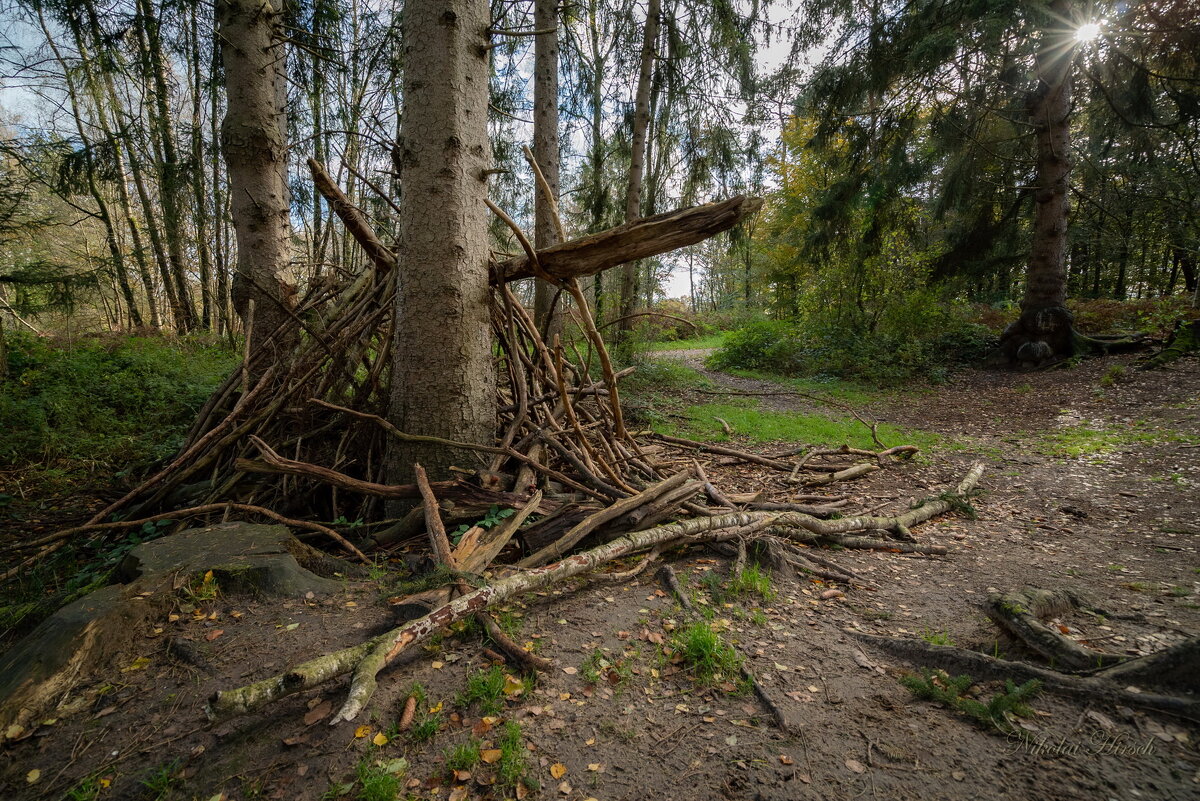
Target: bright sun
x,y
1087,32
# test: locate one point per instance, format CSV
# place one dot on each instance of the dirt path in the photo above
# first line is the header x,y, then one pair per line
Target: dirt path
x,y
1119,524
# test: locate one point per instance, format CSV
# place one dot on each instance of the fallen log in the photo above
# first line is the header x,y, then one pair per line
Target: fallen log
x,y
632,241
368,657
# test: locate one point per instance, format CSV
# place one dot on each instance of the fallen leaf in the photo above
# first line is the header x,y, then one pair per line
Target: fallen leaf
x,y
32,776
558,770
433,710
380,739
459,793
856,766
290,626
731,740
138,664
14,731
565,788
513,685
462,775
491,756
570,671
437,665
595,766
214,634
784,759
830,594
362,731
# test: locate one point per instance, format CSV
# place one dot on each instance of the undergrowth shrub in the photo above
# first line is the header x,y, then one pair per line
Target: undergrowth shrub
x,y
125,400
918,336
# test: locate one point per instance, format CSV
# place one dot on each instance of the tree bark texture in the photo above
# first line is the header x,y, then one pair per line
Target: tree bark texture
x,y
637,157
1044,331
254,141
443,380
545,152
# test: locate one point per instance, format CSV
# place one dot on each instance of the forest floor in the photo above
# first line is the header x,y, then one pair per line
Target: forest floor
x,y
1092,484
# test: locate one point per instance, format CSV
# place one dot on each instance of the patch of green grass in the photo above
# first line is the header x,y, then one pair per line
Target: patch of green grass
x,y
512,767
695,343
160,781
936,637
485,687
1081,441
758,617
464,756
1112,375
852,393
88,788
706,654
753,580
380,780
1176,591
662,375
939,686
759,425
104,401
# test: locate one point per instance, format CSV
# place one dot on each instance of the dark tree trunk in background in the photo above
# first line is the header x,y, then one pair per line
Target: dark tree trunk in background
x,y
254,141
1044,331
443,379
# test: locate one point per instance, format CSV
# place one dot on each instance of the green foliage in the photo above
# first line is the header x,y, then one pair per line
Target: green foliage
x,y
109,401
494,516
706,654
917,334
692,343
753,580
485,687
380,780
425,726
463,756
758,425
936,637
512,766
937,685
160,781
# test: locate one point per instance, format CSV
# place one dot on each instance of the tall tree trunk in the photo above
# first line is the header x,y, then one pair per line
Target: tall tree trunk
x,y
1045,331
199,195
254,141
170,171
633,191
102,210
545,152
443,380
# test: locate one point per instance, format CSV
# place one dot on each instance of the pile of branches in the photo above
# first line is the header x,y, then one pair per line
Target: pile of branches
x,y
301,435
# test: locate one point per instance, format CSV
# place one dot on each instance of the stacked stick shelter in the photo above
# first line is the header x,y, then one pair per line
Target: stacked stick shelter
x,y
305,424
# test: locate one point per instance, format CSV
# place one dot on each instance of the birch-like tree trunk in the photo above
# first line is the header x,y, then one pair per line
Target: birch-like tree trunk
x,y
443,379
633,191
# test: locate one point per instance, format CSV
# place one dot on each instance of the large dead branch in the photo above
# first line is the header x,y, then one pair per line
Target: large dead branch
x,y
639,239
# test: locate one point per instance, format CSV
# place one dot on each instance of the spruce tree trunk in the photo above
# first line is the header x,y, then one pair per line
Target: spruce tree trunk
x,y
254,141
443,379
545,151
1044,331
633,192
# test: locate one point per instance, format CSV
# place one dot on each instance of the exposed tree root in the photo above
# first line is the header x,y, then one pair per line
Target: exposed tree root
x,y
981,666
367,659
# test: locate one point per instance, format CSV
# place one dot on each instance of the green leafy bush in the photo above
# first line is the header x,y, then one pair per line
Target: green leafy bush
x,y
109,400
916,335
